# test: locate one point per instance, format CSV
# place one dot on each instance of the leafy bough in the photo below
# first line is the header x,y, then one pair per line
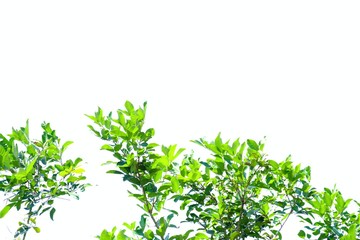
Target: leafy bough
x,y
236,193
33,174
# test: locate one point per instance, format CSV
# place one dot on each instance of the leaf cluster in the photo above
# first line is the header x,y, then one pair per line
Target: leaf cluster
x,y
236,193
33,174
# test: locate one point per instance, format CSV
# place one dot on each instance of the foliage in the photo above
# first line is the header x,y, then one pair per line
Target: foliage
x,y
33,174
237,193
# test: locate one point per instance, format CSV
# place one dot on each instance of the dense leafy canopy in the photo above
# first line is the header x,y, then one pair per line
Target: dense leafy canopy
x,y
235,193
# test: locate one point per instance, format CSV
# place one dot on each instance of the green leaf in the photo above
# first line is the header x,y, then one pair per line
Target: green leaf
x,y
252,144
149,234
265,207
122,236
107,147
99,116
37,229
143,221
301,234
97,133
201,236
152,145
174,184
30,166
121,118
5,210
273,164
234,235
352,230
172,155
52,211
157,175
340,204
150,187
114,172
26,129
24,172
130,226
242,148
66,145
105,235
78,170
59,167
162,227
218,142
129,107
235,145
31,150
72,179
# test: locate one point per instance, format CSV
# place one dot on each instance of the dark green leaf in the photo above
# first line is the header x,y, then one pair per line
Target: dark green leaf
x,y
302,234
52,211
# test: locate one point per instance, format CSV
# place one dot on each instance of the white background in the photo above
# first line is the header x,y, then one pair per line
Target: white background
x,y
287,70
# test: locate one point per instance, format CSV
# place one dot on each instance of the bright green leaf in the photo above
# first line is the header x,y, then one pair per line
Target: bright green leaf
x,y
5,210
174,184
